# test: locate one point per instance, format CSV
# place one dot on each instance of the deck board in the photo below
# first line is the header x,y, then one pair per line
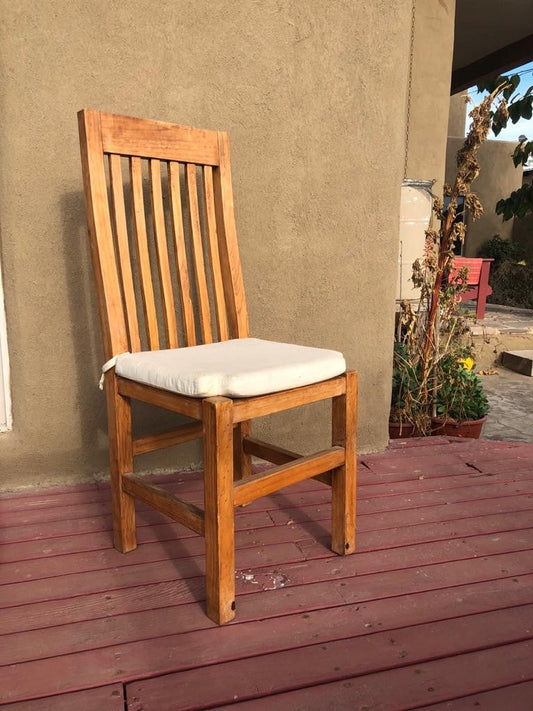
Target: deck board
x,y
103,698
444,569
409,687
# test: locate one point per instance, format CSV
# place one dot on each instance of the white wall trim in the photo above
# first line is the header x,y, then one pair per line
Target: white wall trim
x,y
6,418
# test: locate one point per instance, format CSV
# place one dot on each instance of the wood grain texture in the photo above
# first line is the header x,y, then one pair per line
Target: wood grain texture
x,y
279,477
120,463
143,253
250,408
198,255
112,319
131,136
188,406
277,455
110,698
218,495
343,483
237,311
214,255
163,264
178,510
169,438
121,231
182,268
242,460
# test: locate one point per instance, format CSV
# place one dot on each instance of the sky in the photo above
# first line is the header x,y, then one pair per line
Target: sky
x,y
522,127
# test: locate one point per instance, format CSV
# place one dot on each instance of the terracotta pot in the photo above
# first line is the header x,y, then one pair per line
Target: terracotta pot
x,y
402,430
469,428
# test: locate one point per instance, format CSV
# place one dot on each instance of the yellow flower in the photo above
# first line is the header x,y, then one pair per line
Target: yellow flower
x,y
468,363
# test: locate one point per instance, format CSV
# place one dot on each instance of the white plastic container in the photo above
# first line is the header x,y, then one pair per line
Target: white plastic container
x,y
415,214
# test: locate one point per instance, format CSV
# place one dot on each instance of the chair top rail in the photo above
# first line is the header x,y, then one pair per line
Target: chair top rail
x,y
474,266
130,136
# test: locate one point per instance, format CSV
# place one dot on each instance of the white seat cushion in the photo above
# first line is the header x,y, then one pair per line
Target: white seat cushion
x,y
243,367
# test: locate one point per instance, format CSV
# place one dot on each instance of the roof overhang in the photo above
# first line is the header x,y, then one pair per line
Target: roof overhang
x,y
491,37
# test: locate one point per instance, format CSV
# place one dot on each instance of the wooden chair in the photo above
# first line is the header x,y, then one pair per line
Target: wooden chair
x,y
478,288
220,377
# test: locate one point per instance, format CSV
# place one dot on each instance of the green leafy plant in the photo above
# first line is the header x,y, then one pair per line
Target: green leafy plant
x,y
405,405
500,250
518,204
460,396
517,106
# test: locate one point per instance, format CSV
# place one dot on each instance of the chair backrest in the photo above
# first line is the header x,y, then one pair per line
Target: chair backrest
x,y
473,265
162,229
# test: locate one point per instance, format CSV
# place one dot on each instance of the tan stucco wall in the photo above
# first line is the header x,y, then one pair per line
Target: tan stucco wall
x,y
314,98
430,90
457,115
497,178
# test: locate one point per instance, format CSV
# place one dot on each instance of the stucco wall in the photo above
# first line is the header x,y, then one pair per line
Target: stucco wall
x,y
457,115
497,178
429,90
314,97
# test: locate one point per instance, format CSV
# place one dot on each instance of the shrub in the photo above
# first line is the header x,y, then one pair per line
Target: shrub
x,y
501,250
512,285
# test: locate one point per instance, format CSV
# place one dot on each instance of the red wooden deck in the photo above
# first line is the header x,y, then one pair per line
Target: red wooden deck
x,y
434,611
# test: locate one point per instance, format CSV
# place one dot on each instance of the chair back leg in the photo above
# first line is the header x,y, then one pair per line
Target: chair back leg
x,y
242,462
219,511
343,483
120,463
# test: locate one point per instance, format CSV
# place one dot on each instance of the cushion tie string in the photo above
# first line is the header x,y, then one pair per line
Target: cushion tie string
x,y
111,363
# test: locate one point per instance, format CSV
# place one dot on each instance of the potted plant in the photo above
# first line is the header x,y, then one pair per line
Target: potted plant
x,y
461,403
429,379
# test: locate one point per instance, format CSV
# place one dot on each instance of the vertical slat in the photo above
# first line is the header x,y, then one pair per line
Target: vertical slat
x,y
219,513
121,231
214,256
158,217
139,222
227,239
343,481
181,254
103,254
198,253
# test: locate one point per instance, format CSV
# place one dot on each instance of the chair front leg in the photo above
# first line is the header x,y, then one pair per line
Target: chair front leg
x,y
219,511
120,462
343,489
242,462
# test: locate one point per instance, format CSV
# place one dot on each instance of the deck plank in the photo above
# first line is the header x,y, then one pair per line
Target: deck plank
x,y
517,697
408,687
103,698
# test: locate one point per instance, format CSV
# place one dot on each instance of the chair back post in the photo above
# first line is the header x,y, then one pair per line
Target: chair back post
x,y
99,222
228,246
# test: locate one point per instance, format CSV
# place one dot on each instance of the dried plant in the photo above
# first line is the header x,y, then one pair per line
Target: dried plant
x,y
436,331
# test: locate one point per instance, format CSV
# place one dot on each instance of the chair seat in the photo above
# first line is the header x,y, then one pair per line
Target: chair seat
x,y
243,367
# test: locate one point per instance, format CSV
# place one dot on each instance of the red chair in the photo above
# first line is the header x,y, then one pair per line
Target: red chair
x,y
477,281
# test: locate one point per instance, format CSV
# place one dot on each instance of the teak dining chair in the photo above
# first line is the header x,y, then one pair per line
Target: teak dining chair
x,y
177,244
